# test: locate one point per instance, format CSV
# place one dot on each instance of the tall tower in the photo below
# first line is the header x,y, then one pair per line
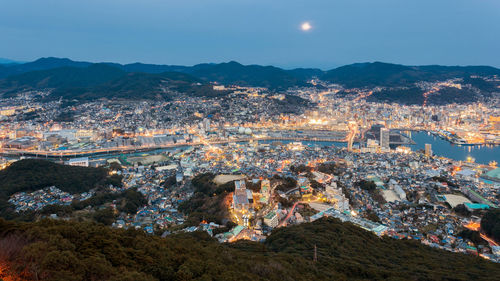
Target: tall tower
x,y
428,149
384,138
206,124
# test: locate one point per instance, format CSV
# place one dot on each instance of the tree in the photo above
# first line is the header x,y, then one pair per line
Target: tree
x,y
115,166
115,180
329,168
69,250
490,223
104,216
316,185
300,168
366,185
170,181
287,184
372,216
61,265
462,210
97,268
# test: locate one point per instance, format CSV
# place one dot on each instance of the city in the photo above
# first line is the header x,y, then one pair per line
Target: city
x,y
229,140
415,195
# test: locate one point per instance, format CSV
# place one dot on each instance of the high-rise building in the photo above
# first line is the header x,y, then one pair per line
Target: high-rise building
x,y
271,219
384,138
206,124
428,149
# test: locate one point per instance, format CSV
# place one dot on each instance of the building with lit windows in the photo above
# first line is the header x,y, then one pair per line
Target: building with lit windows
x,y
82,162
242,197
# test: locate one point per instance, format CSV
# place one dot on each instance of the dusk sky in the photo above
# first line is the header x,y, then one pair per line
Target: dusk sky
x,y
187,32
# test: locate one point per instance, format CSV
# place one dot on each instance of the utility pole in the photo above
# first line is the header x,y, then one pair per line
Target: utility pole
x,y
315,253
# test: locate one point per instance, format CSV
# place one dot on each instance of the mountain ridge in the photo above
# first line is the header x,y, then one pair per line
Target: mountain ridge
x,y
398,80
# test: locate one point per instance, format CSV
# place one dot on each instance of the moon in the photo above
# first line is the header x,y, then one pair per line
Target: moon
x,y
306,26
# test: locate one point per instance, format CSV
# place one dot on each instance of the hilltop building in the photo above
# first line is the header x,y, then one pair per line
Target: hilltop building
x,y
265,191
242,197
304,185
271,219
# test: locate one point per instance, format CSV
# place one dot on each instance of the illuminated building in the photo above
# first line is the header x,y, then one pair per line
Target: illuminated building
x,y
428,149
265,189
384,138
242,197
304,185
82,162
271,219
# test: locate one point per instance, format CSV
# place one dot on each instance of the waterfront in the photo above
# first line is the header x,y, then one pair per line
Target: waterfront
x,y
482,154
178,149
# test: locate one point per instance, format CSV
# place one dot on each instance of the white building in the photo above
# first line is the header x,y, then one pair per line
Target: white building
x,y
69,135
271,219
82,162
400,192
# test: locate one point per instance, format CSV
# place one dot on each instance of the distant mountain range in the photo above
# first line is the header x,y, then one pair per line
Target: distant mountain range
x,y
388,75
73,79
8,61
86,81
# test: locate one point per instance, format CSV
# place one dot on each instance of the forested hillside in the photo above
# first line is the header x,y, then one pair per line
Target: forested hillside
x,y
30,175
59,250
68,79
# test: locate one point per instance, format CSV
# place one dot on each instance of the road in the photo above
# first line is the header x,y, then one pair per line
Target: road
x,y
490,240
283,223
125,149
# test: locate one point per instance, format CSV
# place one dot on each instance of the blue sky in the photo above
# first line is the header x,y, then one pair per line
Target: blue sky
x,y
187,32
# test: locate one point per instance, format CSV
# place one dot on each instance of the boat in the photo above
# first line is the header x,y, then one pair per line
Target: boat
x,y
460,141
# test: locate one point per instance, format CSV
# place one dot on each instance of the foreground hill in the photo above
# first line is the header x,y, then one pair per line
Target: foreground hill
x,y
59,250
30,175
